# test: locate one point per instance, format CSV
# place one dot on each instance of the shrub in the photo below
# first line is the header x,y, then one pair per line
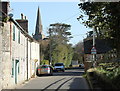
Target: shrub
x,y
110,72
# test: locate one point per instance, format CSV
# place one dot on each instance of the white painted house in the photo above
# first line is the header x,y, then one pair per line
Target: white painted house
x,y
19,52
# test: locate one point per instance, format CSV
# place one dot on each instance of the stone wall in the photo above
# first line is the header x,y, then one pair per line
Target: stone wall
x,y
13,51
5,64
1,55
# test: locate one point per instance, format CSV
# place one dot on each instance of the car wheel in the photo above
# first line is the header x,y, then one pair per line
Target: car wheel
x,y
37,73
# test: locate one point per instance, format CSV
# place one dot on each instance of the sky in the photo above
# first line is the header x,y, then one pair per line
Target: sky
x,y
58,11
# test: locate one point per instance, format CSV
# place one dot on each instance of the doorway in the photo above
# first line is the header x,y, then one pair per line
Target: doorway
x,y
16,70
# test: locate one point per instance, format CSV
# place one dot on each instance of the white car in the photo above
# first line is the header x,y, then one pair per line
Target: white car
x,y
59,67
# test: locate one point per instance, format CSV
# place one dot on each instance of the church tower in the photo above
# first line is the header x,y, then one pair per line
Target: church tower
x,y
38,30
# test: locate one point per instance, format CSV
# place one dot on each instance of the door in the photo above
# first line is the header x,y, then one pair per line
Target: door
x,y
16,70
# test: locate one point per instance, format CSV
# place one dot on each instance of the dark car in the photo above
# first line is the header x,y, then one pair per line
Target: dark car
x,y
59,67
44,70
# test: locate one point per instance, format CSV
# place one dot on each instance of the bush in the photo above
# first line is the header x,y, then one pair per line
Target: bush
x,y
44,62
110,72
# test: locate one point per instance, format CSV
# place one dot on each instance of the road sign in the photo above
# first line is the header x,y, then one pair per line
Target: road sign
x,y
93,50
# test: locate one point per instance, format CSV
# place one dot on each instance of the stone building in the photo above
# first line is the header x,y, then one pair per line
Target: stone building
x,y
19,52
39,36
39,28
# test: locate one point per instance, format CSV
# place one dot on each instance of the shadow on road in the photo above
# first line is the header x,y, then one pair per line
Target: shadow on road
x,y
69,72
80,86
52,84
64,83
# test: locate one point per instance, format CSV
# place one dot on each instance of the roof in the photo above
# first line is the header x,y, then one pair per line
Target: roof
x,y
22,30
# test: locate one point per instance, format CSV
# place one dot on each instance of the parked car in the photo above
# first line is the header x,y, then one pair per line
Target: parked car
x,y
59,67
81,66
44,70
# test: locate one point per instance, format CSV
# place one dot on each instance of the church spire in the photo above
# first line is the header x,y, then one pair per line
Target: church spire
x,y
38,29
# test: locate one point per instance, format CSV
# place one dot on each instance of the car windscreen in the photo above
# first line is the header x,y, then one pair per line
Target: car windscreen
x,y
59,64
44,66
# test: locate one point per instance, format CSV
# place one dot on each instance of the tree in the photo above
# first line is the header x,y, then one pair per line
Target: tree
x,y
59,49
104,17
60,32
44,49
78,52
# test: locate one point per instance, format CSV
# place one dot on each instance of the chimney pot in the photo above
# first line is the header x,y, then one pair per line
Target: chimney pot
x,y
22,16
25,17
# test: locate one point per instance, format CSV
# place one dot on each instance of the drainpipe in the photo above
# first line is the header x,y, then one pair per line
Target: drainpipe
x,y
30,60
27,57
10,39
39,53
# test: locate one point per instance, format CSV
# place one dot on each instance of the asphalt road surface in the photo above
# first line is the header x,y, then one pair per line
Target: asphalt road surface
x,y
70,79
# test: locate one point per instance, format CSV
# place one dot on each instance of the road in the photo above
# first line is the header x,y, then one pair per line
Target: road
x,y
70,79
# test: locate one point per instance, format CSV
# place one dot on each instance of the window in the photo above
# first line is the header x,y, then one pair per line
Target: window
x,y
18,68
59,64
12,67
13,33
19,37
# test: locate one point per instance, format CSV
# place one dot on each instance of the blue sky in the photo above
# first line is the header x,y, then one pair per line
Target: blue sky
x,y
51,12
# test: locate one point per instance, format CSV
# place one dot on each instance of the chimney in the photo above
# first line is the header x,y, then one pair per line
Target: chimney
x,y
4,9
23,22
25,18
22,16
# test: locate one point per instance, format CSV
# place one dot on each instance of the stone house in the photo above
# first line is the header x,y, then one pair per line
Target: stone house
x,y
19,52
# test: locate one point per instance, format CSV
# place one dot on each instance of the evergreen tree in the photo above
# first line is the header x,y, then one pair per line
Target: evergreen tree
x,y
60,50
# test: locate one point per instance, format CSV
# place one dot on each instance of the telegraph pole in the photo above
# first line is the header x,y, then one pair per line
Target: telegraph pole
x,y
93,50
94,46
